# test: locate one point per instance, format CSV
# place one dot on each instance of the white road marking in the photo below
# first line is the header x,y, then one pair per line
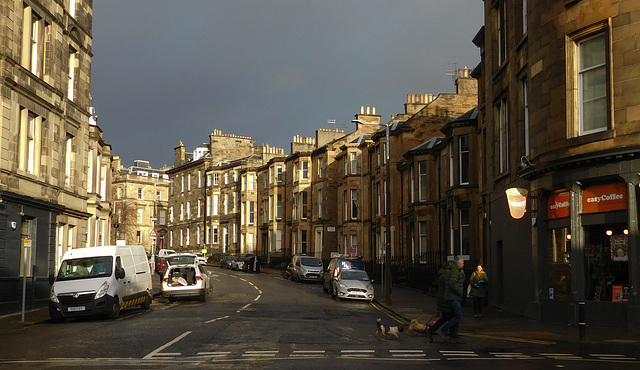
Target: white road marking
x,y
216,319
407,353
308,354
260,354
157,351
357,353
214,354
258,297
244,307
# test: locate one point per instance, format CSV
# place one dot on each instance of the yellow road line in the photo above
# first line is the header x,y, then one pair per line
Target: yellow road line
x,y
387,313
512,339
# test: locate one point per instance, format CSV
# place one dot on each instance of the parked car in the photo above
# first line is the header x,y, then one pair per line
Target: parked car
x,y
336,265
226,262
177,259
186,280
201,258
352,284
159,257
238,263
306,268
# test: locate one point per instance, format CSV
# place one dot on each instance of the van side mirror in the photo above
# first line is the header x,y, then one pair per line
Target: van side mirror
x,y
51,279
119,273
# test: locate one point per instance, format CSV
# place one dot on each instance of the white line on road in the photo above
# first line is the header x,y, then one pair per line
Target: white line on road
x,y
157,351
244,307
260,354
258,297
216,319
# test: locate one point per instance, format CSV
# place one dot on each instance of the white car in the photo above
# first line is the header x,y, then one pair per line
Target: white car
x,y
201,259
186,280
352,284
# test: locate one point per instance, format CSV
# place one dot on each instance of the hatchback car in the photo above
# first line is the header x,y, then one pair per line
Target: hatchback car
x,y
352,284
201,258
226,262
238,263
186,281
177,259
336,265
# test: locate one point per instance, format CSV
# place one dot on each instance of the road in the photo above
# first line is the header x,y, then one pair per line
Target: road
x,y
262,320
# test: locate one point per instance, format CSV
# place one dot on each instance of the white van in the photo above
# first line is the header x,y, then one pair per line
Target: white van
x,y
100,281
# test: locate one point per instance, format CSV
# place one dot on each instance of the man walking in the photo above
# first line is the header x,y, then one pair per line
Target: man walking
x,y
453,295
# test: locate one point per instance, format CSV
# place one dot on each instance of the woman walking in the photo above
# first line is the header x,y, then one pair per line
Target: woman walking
x,y
479,286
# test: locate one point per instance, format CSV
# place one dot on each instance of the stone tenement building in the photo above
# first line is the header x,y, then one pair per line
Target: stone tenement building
x,y
45,66
558,129
140,196
213,199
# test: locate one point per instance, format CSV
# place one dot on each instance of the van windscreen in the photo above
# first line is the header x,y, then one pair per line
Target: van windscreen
x,y
311,261
83,268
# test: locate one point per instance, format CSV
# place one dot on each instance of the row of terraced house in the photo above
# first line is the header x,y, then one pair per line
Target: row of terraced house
x,y
530,167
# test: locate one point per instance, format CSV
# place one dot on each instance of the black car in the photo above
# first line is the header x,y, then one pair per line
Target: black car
x,y
225,262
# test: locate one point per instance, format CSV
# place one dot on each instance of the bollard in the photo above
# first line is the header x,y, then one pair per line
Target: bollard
x,y
582,325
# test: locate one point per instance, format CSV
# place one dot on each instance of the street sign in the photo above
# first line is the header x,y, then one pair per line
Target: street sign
x,y
153,233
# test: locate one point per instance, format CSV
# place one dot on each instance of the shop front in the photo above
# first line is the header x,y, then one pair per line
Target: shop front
x,y
587,253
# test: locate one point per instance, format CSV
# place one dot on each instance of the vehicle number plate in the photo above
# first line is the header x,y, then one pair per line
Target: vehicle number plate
x,y
75,309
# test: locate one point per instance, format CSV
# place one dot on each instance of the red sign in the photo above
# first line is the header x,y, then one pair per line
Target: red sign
x,y
601,198
153,233
558,205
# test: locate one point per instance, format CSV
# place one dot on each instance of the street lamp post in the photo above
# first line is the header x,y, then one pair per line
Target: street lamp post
x,y
386,274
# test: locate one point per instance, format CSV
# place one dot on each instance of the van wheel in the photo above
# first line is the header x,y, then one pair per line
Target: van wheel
x,y
147,303
114,311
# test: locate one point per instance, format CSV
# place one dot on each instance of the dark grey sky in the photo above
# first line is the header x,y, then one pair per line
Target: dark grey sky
x,y
171,70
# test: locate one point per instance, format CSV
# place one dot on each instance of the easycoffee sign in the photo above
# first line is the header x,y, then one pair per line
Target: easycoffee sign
x,y
602,198
558,205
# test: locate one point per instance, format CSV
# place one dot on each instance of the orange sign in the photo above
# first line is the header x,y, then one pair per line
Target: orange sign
x,y
558,205
601,198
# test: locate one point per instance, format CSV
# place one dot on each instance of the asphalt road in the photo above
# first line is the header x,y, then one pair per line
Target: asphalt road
x,y
264,321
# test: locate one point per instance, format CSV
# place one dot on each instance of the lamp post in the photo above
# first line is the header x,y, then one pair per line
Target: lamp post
x,y
116,225
386,275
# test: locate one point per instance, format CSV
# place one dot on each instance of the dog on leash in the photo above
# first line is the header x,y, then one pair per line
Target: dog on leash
x,y
419,327
393,331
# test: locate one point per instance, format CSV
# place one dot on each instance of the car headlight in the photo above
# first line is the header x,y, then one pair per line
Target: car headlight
x,y
342,285
53,297
103,290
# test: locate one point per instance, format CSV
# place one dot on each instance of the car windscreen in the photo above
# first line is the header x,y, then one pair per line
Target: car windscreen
x,y
83,268
180,260
354,275
311,261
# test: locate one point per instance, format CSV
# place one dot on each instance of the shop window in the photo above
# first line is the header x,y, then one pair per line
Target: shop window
x,y
606,254
559,263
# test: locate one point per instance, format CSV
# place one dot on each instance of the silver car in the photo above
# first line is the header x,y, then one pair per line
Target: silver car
x,y
352,284
186,280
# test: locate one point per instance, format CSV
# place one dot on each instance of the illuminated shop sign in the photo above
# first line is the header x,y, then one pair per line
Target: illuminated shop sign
x,y
602,198
517,200
558,205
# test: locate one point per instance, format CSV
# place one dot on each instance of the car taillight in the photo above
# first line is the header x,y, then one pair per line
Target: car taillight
x,y
199,277
165,280
335,272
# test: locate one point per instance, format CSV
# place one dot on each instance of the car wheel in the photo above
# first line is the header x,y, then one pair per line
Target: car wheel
x,y
114,310
147,303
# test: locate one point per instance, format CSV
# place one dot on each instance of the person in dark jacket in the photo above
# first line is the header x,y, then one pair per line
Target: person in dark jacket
x,y
479,287
442,305
453,295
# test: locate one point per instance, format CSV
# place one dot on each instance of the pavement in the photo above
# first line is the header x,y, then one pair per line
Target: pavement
x,y
407,303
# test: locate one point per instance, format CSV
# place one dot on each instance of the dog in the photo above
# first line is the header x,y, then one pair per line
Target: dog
x,y
419,327
393,331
